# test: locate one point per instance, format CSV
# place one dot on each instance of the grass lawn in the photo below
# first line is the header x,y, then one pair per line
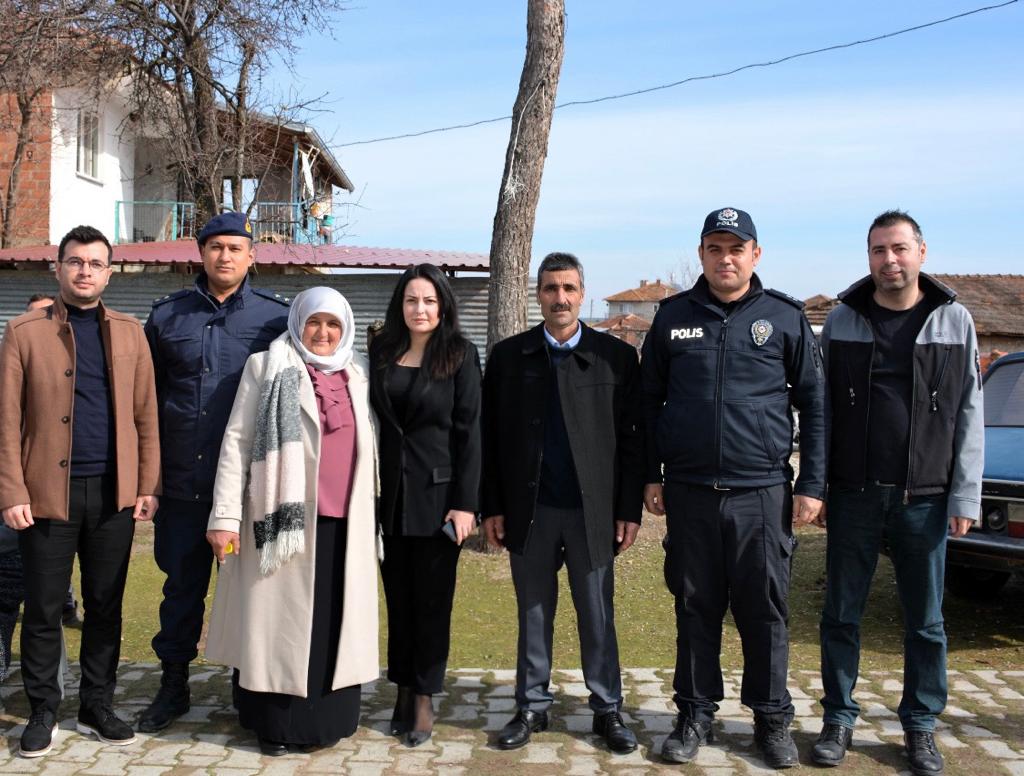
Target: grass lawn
x,y
982,634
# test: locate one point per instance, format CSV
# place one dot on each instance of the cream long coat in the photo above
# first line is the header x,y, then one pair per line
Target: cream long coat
x,y
261,625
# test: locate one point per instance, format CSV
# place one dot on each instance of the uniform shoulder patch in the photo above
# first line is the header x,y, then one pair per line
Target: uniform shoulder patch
x,y
171,297
785,298
273,297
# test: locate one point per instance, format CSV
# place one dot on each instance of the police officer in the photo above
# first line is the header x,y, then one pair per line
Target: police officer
x,y
200,339
720,366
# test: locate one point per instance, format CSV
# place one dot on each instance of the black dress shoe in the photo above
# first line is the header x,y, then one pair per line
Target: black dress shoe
x,y
271,748
517,732
683,742
925,758
831,746
617,736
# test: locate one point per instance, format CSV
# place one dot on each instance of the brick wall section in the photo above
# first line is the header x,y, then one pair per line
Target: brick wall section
x,y
32,213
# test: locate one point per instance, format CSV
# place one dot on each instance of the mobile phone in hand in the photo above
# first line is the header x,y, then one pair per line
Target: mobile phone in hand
x,y
449,530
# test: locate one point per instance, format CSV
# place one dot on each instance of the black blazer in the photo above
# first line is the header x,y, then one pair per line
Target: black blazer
x,y
433,456
600,397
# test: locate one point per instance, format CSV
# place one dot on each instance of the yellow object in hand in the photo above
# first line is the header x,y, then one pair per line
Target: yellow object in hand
x,y
229,549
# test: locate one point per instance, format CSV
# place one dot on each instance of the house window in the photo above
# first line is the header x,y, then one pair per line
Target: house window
x,y
88,144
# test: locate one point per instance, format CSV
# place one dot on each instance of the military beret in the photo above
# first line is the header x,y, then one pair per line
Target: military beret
x,y
230,223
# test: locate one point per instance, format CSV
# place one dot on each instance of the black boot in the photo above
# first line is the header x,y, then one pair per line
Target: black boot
x,y
771,735
171,701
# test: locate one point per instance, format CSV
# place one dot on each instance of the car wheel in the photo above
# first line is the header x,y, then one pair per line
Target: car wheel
x,y
971,582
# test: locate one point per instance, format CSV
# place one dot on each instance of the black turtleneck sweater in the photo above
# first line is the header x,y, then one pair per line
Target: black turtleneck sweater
x,y
92,424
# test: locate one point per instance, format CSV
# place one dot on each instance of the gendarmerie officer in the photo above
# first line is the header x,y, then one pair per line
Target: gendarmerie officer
x,y
721,365
200,339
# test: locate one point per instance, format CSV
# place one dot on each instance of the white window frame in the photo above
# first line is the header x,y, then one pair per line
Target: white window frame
x,y
88,153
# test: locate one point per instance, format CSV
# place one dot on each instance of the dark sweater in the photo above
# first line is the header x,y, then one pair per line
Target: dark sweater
x,y
92,429
559,485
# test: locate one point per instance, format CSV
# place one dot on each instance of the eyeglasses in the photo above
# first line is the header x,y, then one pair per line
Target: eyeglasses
x,y
76,264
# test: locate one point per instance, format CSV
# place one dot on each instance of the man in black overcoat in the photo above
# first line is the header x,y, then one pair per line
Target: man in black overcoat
x,y
563,483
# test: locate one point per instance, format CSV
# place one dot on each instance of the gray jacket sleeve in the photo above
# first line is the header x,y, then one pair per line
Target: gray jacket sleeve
x,y
969,437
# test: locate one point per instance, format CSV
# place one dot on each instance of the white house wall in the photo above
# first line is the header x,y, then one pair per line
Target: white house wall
x,y
75,198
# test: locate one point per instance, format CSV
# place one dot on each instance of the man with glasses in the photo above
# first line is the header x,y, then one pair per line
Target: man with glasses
x,y
200,338
79,464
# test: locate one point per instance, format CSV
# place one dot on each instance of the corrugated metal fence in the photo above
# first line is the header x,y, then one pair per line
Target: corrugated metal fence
x,y
367,293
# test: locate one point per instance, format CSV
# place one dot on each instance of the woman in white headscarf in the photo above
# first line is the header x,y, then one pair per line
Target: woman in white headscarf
x,y
293,525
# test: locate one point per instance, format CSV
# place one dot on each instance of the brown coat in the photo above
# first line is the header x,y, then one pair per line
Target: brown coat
x,y
37,391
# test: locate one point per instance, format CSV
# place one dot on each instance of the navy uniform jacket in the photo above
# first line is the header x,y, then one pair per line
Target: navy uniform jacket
x,y
199,349
717,392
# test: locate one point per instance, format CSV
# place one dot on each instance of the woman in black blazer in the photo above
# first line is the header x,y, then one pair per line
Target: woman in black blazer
x,y
425,387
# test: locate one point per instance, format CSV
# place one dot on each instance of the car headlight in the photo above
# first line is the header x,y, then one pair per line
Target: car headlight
x,y
995,518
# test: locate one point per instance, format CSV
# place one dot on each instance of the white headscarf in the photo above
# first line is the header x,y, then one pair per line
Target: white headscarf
x,y
321,299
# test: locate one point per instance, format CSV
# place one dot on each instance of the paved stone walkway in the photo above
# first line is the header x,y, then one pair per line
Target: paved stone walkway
x,y
982,731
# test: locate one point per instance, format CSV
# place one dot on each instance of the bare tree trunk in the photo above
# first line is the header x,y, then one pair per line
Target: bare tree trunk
x,y
10,204
512,238
241,126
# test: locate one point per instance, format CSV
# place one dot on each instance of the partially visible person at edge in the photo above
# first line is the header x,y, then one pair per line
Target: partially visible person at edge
x,y
905,464
563,482
293,524
425,387
79,464
721,365
201,338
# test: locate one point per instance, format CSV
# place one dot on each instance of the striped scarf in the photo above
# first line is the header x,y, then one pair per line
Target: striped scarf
x,y
277,472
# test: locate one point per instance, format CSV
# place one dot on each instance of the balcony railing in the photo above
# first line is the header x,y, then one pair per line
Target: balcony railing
x,y
153,221
273,222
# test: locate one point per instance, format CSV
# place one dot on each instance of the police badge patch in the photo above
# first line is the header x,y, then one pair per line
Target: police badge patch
x,y
760,331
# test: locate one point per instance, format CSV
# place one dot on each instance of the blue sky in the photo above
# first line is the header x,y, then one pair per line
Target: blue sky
x,y
931,121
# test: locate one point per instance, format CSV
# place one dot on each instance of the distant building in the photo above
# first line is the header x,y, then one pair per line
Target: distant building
x,y
628,328
996,302
642,301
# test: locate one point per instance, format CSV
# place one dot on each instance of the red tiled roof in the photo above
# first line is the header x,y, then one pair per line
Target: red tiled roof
x,y
625,322
185,251
996,302
817,308
645,292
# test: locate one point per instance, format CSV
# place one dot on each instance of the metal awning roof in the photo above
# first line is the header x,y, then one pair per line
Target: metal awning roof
x,y
340,256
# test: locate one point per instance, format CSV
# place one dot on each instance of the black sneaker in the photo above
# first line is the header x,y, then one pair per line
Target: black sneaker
x,y
37,739
683,742
773,741
102,722
925,758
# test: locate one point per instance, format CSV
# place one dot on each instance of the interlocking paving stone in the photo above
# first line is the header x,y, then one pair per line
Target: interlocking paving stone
x,y
976,733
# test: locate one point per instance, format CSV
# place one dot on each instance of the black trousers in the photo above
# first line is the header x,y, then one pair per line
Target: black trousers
x,y
184,555
730,549
419,585
102,537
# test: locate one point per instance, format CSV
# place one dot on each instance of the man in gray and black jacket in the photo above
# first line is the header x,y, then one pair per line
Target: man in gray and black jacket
x,y
906,431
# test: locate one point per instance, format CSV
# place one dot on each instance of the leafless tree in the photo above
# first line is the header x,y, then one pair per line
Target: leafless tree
x,y
45,44
512,238
202,68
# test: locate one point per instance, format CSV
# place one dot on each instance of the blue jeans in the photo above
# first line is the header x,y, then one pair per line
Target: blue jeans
x,y
858,523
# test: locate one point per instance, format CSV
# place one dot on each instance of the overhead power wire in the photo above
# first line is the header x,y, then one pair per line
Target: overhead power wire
x,y
691,79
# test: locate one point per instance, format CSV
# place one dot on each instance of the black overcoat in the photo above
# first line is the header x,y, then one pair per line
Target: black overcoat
x,y
432,456
600,392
